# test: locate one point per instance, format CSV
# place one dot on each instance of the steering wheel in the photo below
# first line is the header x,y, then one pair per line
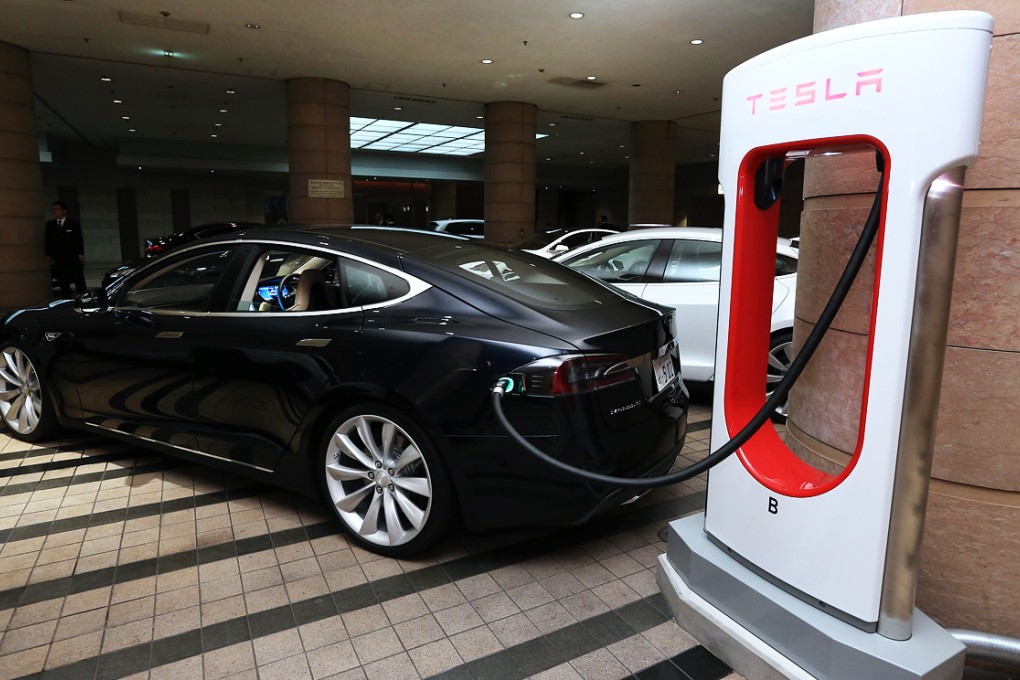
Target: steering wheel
x,y
286,290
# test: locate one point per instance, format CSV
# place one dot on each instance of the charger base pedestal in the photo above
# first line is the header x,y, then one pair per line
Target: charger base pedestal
x,y
765,633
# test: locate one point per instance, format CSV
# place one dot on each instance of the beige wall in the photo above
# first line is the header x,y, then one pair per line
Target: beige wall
x,y
969,566
510,171
319,148
652,172
24,275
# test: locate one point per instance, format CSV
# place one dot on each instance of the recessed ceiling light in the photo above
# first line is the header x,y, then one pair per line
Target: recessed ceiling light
x,y
168,53
552,124
125,117
581,152
253,27
590,78
132,130
213,135
217,124
486,61
117,101
548,159
697,41
231,92
398,108
480,117
678,91
223,110
105,79
577,15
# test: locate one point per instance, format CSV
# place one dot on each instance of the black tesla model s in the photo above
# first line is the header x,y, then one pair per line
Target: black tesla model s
x,y
359,365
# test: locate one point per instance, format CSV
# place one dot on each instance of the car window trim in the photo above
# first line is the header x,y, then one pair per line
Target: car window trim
x,y
243,252
415,285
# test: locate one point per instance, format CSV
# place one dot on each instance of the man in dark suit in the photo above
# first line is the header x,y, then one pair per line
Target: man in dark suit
x,y
65,250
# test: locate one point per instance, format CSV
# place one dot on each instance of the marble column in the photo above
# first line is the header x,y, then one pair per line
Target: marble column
x,y
319,151
510,171
24,275
652,172
969,569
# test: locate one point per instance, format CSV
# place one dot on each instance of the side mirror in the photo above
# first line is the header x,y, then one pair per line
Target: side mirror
x,y
92,302
561,248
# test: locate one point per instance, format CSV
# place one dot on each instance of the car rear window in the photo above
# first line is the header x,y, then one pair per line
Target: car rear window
x,y
533,281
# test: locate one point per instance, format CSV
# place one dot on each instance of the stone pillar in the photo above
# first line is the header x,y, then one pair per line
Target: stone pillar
x,y
652,172
510,171
968,564
24,275
319,151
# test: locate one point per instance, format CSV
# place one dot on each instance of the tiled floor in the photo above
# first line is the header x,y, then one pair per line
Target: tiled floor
x,y
117,562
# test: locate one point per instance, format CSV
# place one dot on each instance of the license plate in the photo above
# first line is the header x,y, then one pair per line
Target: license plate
x,y
664,372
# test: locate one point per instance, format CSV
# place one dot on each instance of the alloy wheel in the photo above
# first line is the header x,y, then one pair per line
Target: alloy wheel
x,y
780,358
21,403
378,480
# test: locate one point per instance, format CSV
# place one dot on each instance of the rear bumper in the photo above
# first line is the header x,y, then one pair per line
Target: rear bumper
x,y
502,485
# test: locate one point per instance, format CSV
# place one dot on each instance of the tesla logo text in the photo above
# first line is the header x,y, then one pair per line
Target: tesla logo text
x,y
815,91
773,506
623,409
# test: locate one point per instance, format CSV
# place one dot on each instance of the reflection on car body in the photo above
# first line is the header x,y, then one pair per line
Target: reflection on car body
x,y
358,364
162,244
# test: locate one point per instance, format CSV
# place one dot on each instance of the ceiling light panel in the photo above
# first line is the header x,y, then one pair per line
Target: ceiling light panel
x,y
410,137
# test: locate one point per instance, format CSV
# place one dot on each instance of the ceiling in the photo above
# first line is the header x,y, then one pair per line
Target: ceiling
x,y
423,56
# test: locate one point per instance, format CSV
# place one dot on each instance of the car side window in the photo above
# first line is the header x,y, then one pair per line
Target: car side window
x,y
186,285
465,228
785,265
693,261
572,241
289,280
362,284
617,263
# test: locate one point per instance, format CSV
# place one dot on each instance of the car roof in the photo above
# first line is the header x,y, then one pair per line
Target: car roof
x,y
386,245
703,233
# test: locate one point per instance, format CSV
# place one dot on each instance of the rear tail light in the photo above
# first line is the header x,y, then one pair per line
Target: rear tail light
x,y
571,374
153,249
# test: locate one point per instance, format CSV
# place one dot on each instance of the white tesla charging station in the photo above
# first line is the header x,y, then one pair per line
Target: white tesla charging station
x,y
812,574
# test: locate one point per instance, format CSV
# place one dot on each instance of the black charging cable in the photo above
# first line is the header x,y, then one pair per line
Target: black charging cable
x,y
839,293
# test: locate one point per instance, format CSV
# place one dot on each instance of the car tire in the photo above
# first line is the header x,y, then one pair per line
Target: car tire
x,y
780,358
25,408
385,481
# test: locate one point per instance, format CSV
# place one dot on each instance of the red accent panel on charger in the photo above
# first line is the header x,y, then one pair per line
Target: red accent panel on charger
x,y
765,456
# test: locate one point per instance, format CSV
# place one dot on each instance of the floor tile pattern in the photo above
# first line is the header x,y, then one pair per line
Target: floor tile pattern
x,y
117,562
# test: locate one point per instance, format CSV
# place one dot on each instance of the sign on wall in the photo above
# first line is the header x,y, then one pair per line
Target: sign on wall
x,y
325,188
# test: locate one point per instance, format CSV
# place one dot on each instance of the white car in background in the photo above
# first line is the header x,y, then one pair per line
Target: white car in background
x,y
679,267
555,242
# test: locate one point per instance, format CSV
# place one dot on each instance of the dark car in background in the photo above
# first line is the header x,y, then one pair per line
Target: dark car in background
x,y
466,228
359,365
161,244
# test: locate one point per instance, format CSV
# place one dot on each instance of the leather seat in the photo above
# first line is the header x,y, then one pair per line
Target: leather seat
x,y
311,294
